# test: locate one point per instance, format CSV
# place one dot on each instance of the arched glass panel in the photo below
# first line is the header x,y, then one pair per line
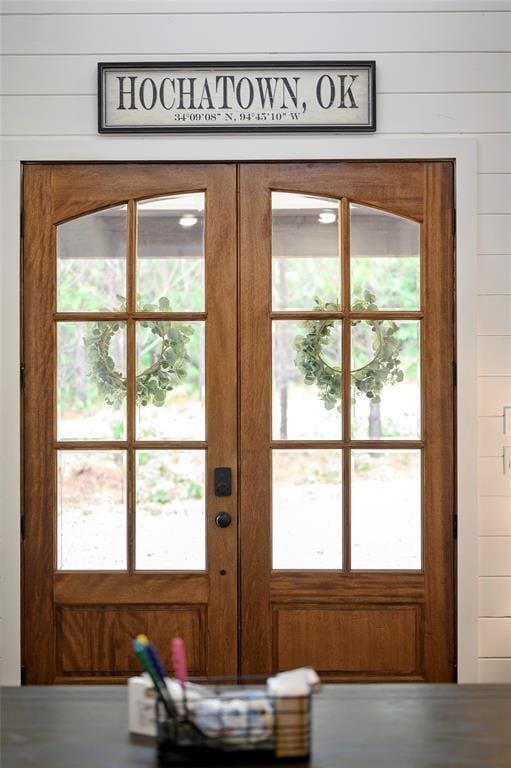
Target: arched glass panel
x,y
170,253
385,259
91,261
306,263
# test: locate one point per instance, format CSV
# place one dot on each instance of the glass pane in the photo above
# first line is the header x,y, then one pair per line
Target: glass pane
x,y
386,509
305,251
171,532
306,379
91,381
91,510
385,379
307,509
170,253
170,380
91,262
385,260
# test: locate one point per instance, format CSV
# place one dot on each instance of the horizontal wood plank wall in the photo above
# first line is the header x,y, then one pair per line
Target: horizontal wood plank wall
x,y
442,68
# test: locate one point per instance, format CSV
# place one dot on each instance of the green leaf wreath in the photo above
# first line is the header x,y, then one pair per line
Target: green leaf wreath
x,y
369,380
153,383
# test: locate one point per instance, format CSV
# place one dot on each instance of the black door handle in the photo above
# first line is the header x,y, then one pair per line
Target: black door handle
x,y
223,519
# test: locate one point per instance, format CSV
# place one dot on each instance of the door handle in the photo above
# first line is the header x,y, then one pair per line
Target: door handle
x,y
223,520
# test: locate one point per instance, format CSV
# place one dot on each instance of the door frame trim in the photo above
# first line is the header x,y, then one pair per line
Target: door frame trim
x,y
462,150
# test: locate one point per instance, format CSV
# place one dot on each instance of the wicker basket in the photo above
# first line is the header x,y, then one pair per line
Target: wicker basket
x,y
236,723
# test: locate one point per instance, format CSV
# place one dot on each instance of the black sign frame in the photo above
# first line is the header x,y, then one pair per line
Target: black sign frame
x,y
103,67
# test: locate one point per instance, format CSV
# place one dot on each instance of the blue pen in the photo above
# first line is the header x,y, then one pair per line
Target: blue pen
x,y
153,655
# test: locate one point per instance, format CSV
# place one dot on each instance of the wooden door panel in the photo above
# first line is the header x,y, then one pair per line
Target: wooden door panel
x,y
66,612
365,587
80,188
99,588
97,639
397,186
416,640
365,640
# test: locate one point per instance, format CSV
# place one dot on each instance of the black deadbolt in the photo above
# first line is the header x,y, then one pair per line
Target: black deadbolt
x,y
223,519
223,481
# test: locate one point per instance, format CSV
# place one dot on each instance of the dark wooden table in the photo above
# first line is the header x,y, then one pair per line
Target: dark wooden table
x,y
356,726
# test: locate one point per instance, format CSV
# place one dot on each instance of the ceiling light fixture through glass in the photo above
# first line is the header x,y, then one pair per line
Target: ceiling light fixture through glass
x,y
327,217
188,220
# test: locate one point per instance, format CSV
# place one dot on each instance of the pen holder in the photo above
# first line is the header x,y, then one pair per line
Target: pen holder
x,y
233,724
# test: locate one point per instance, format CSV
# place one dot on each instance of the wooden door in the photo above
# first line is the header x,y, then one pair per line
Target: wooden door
x,y
347,412
343,557
129,403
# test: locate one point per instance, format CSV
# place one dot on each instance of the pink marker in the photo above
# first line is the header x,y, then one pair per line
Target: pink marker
x,y
179,660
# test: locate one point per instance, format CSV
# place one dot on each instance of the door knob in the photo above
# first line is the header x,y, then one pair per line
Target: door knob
x,y
223,519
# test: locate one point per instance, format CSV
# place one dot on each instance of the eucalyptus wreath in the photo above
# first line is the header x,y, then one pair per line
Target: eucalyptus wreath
x,y
152,384
369,380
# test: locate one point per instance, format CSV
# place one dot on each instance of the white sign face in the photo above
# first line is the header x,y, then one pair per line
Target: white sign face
x,y
163,98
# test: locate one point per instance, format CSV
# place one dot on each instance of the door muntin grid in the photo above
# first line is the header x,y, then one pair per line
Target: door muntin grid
x,y
372,306
133,326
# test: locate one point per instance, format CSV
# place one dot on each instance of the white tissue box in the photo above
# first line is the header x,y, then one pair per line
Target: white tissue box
x,y
141,706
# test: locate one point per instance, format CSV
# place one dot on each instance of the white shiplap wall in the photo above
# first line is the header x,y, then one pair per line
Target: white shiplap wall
x,y
443,68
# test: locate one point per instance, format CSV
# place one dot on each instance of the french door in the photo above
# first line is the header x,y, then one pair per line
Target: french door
x,y
346,336
238,418
122,300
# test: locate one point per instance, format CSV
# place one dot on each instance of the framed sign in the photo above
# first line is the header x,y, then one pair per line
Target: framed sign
x,y
160,97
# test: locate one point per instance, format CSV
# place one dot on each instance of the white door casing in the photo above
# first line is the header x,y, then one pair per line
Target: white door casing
x,y
463,150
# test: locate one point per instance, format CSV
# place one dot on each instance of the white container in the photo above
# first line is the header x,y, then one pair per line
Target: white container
x,y
141,707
